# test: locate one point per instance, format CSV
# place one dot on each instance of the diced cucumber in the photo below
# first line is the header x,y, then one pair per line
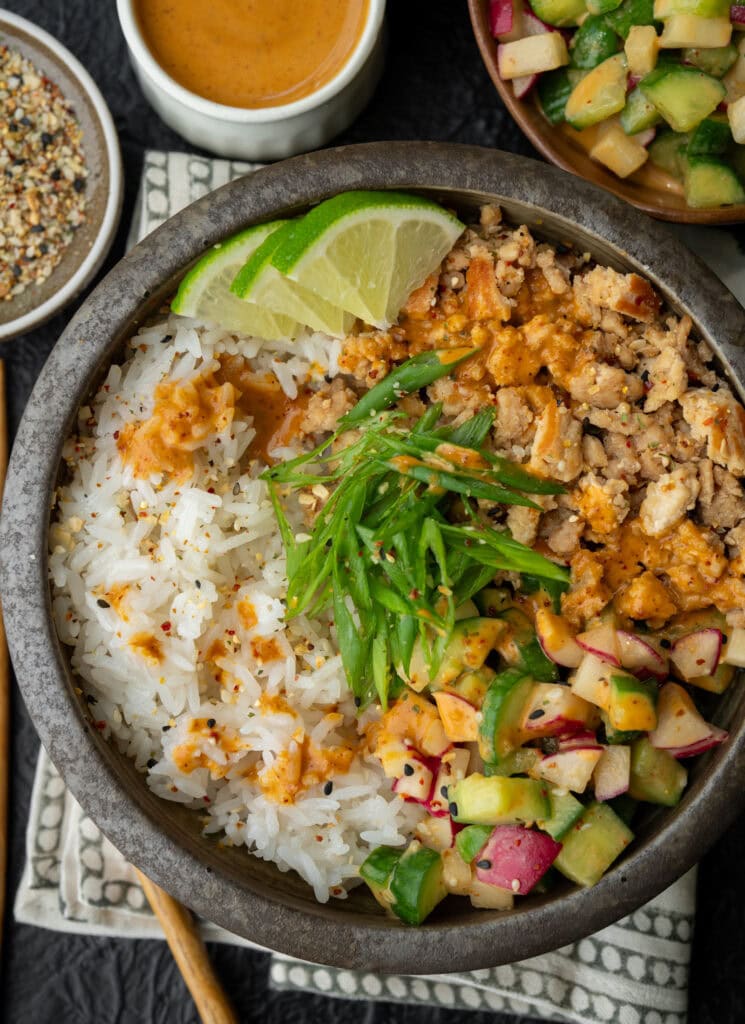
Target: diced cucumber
x,y
638,114
684,96
553,92
668,152
501,714
710,138
700,8
417,885
593,42
599,95
655,775
470,643
710,183
478,800
602,6
520,762
592,845
471,839
520,647
552,589
616,736
565,810
491,601
632,703
377,870
559,12
472,686
716,61
716,683
630,13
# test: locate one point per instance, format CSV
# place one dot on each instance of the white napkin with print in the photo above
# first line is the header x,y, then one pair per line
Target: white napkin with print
x,y
634,972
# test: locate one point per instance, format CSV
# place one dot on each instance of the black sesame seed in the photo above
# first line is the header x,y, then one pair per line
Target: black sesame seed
x,y
198,584
236,489
25,121
211,723
91,699
44,248
56,173
165,728
562,250
591,429
592,545
665,644
645,376
16,270
408,769
152,762
444,791
327,788
166,338
724,638
538,713
485,864
715,387
79,184
46,140
36,229
453,808
102,604
357,701
18,162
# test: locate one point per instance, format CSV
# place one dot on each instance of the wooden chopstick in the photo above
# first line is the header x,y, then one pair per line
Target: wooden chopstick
x,y
4,680
190,954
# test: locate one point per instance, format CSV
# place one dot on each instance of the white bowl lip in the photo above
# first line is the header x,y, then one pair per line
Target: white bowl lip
x,y
251,115
112,211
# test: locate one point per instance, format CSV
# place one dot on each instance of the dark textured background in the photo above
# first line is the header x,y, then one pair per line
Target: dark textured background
x,y
434,87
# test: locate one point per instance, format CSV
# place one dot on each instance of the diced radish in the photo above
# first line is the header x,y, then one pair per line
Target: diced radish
x,y
602,641
557,639
452,767
681,728
646,137
632,81
737,14
570,769
682,30
734,652
436,833
459,717
640,656
736,117
489,897
579,741
456,874
591,681
532,24
620,152
697,654
518,24
522,86
531,55
553,709
501,17
514,858
417,780
612,772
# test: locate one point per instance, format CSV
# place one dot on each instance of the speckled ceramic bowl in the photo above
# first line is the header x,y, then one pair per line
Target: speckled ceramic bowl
x,y
246,895
92,241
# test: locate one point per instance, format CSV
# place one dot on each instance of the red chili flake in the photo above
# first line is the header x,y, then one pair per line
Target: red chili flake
x,y
100,725
230,632
236,586
166,627
116,435
210,490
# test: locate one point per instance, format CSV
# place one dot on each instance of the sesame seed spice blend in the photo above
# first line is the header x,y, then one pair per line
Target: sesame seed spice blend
x,y
42,175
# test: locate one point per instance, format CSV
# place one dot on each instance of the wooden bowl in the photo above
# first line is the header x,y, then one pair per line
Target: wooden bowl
x,y
649,189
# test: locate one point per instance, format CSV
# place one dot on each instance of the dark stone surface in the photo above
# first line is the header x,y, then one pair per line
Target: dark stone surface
x,y
434,87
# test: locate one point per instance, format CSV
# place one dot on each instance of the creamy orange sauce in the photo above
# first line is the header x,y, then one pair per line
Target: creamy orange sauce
x,y
257,53
183,417
148,646
189,756
276,418
301,766
274,704
266,648
116,596
246,613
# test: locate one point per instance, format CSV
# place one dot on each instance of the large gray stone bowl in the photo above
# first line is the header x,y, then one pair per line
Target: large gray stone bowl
x,y
241,893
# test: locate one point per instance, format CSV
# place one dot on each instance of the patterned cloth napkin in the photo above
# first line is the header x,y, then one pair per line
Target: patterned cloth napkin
x,y
634,972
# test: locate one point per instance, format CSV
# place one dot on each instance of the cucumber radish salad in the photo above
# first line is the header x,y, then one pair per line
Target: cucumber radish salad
x,y
432,596
636,82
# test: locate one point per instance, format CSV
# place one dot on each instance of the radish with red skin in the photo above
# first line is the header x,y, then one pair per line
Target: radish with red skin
x,y
515,858
522,86
501,17
602,641
557,640
570,769
612,773
553,709
646,137
452,767
737,14
716,737
681,728
582,740
417,780
640,656
697,653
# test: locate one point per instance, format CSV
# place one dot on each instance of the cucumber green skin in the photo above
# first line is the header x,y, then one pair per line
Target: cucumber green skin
x,y
528,653
616,736
417,885
702,8
589,849
565,811
492,600
638,114
552,589
470,840
655,775
377,869
626,687
684,96
630,13
710,138
559,12
710,183
602,6
519,762
668,152
593,42
553,92
717,61
480,801
501,711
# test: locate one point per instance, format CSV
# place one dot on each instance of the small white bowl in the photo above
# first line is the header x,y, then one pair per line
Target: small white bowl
x,y
265,133
83,257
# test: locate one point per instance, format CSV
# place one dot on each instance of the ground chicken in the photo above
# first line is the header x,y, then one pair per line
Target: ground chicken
x,y
722,505
646,598
601,503
326,407
718,419
562,530
628,294
604,386
588,593
557,447
523,523
668,499
668,379
484,301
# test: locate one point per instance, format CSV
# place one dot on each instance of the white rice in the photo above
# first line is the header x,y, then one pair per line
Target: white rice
x,y
181,550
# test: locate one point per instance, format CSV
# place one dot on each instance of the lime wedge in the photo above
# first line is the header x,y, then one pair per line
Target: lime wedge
x,y
365,252
205,291
258,282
